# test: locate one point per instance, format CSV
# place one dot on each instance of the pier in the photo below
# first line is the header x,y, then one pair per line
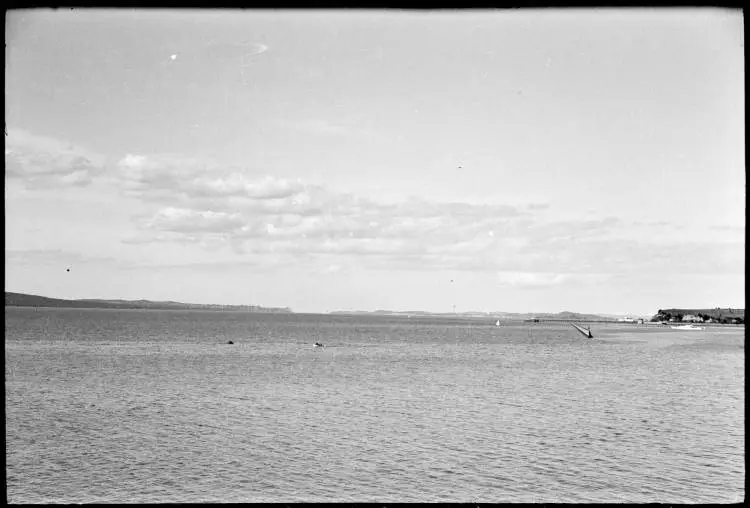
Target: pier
x,y
585,331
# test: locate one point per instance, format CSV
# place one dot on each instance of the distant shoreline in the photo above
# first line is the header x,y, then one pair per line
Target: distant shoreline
x,y
35,301
27,300
563,317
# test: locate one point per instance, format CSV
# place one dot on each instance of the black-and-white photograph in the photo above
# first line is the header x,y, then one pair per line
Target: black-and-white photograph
x,y
375,255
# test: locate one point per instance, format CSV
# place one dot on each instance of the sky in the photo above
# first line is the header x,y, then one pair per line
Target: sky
x,y
516,160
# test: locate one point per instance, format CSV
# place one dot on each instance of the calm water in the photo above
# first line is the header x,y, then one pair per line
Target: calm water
x,y
154,406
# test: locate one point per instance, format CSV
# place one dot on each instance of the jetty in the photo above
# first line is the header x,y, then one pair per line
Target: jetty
x,y
585,331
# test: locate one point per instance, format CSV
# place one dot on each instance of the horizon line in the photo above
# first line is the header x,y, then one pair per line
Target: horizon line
x,y
634,314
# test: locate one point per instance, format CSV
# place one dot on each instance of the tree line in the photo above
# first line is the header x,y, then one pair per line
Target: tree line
x,y
724,316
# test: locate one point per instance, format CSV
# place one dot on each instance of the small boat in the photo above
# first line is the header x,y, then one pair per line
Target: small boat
x,y
497,323
687,327
317,344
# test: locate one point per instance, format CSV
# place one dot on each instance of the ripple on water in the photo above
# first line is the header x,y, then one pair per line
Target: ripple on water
x,y
154,407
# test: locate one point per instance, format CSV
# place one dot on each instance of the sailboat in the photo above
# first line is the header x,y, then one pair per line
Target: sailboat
x,y
497,323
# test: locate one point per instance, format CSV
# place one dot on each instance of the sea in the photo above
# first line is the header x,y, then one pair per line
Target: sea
x,y
148,406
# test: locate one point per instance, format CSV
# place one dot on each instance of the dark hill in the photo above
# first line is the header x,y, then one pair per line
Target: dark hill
x,y
24,300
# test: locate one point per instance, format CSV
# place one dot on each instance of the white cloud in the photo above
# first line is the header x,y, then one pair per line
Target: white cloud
x,y
181,179
40,161
213,207
315,220
54,257
530,279
191,221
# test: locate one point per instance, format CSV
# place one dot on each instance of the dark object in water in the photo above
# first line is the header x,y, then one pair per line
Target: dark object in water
x,y
230,342
585,331
317,344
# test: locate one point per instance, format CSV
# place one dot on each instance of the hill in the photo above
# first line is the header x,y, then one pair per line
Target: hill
x,y
560,316
26,300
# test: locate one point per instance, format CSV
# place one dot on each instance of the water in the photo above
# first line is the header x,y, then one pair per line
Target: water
x,y
154,406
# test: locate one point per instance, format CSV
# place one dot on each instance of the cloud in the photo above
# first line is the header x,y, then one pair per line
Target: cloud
x,y
40,161
264,262
197,202
616,255
52,257
316,220
213,208
181,220
530,279
544,280
537,206
184,180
